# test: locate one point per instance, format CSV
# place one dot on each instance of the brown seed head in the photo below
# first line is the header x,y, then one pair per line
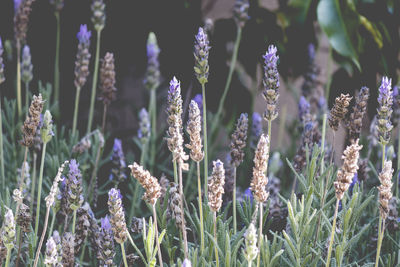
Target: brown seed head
x,y
107,79
21,20
174,204
194,129
339,110
238,140
260,180
150,183
356,117
385,189
216,186
32,121
68,254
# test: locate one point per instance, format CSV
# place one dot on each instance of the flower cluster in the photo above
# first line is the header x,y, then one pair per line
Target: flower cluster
x,y
216,186
385,110
271,83
238,140
259,180
201,51
117,219
32,121
152,80
118,162
82,57
194,129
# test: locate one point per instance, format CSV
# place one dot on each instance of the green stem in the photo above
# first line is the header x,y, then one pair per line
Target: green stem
x,y
3,177
228,81
153,117
143,154
328,260
33,187
21,182
46,220
200,210
53,220
19,78
26,98
234,202
78,92
383,154
73,221
215,237
124,255
94,172
175,172
57,60
381,231
8,256
103,125
203,90
94,83
260,233
157,239
183,225
323,142
136,248
39,194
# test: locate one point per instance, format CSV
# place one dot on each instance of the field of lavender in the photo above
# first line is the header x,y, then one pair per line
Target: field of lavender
x,y
193,187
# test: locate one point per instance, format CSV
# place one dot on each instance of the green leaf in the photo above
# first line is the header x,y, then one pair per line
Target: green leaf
x,y
331,20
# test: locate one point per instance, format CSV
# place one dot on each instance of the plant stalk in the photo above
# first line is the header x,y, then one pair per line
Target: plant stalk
x,y
3,177
74,221
19,78
260,233
76,110
200,210
215,237
328,259
156,233
8,256
33,187
153,118
381,232
103,125
53,220
39,194
26,98
124,255
234,202
46,220
94,83
203,90
183,224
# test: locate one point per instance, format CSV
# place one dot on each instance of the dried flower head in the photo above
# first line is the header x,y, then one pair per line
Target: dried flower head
x,y
363,170
300,160
271,83
385,110
240,12
58,4
54,188
256,129
68,253
98,14
26,65
194,130
260,180
51,257
82,226
107,251
24,218
137,225
2,77
149,183
32,121
46,131
175,135
144,126
117,219
82,56
250,250
201,51
107,79
17,196
356,117
152,80
174,205
8,229
216,186
385,189
238,140
339,110
349,168
118,162
21,19
74,186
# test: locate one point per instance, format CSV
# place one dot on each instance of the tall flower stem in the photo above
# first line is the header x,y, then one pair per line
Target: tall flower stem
x,y
203,90
328,259
39,194
124,255
260,232
153,118
135,247
215,237
228,80
323,141
200,210
33,186
46,220
19,240
94,173
175,171
21,182
73,222
94,82
398,164
383,154
57,60
53,220
381,230
8,257
183,212
3,177
19,108
156,233
27,97
234,202
74,122
103,125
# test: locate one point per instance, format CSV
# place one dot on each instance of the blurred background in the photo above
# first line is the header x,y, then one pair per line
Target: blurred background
x,y
356,42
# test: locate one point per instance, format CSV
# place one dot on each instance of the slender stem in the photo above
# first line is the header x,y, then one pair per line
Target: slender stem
x,y
228,80
203,90
215,237
249,263
200,210
135,247
46,220
33,187
124,255
94,83
103,125
53,220
328,260
3,177
175,172
19,78
21,182
260,233
153,117
19,238
398,164
76,110
26,98
383,154
94,172
57,60
234,202
183,225
73,221
39,191
143,154
8,256
323,142
381,231
156,233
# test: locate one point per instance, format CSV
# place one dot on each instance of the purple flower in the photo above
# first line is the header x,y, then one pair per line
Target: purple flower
x,y
144,126
270,58
74,169
17,3
84,35
118,162
256,129
201,51
385,110
271,83
152,79
199,100
395,91
105,224
114,195
248,195
73,187
385,93
311,53
174,98
304,108
322,103
174,87
355,180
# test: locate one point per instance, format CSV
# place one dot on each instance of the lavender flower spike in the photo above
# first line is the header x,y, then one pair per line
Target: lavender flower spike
x,y
118,162
144,126
271,83
240,12
2,77
152,80
117,219
74,186
201,50
82,56
385,110
256,129
304,110
26,65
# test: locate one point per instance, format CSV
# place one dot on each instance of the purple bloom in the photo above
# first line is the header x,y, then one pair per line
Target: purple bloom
x,y
395,91
270,58
385,110
271,83
144,126
256,129
385,93
174,87
355,180
152,79
17,3
199,100
105,224
311,53
201,51
248,195
322,103
304,108
74,171
84,35
118,162
114,194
